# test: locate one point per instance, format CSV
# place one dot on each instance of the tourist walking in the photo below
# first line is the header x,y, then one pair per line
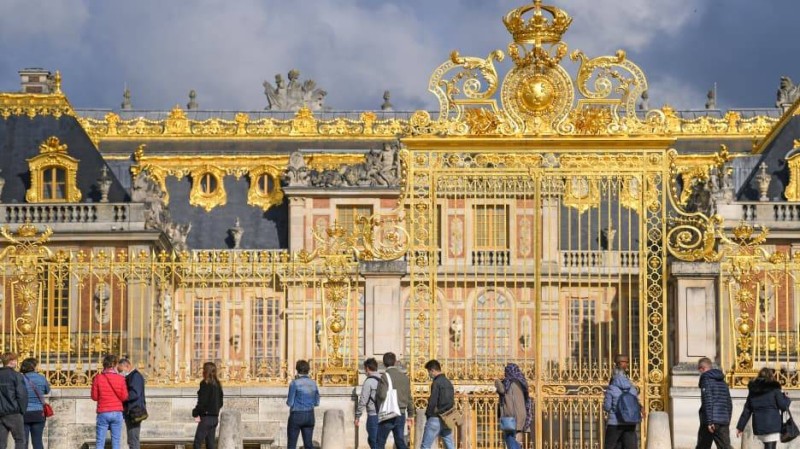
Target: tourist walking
x,y
367,401
206,412
302,398
515,402
395,425
619,427
766,403
13,402
715,409
135,408
109,391
37,387
442,399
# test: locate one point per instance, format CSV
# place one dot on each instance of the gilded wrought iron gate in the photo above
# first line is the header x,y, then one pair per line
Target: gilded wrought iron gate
x,y
551,260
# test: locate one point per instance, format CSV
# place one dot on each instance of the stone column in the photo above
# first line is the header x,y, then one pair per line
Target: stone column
x,y
550,232
697,327
297,221
383,317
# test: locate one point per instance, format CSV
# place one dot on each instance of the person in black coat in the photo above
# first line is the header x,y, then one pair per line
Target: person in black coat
x,y
206,412
135,407
716,407
766,403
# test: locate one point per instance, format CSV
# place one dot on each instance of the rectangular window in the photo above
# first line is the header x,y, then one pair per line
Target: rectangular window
x,y
347,215
266,332
491,227
207,317
55,298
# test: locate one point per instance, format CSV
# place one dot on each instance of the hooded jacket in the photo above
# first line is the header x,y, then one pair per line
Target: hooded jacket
x,y
715,398
618,383
765,402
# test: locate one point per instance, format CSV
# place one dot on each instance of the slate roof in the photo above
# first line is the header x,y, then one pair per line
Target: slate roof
x,y
20,137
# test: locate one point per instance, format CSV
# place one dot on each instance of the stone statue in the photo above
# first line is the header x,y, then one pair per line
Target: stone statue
x,y
380,169
104,184
711,103
318,334
644,105
456,331
387,106
727,185
236,234
192,104
297,172
126,99
788,93
763,179
157,216
295,95
2,184
607,235
101,301
177,234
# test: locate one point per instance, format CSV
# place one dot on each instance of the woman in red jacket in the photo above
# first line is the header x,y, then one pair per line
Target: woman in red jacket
x,y
109,391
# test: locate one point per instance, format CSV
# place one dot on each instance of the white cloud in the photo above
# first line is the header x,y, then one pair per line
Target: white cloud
x,y
680,95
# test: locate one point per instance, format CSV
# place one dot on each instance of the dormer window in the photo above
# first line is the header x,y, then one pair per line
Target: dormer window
x,y
53,174
208,191
265,189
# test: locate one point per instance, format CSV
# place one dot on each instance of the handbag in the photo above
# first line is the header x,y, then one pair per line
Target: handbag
x,y
452,417
508,424
47,410
789,430
390,408
137,414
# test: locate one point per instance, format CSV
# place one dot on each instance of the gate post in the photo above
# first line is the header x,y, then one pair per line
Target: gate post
x,y
383,318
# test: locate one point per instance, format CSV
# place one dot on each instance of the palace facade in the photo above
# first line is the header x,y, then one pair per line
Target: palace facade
x,y
547,219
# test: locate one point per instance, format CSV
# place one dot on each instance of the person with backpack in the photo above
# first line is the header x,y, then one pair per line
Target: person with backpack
x,y
302,399
366,401
515,402
621,402
397,384
766,404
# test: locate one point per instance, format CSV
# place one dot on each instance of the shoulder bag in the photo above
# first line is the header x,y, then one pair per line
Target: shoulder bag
x,y
789,430
390,408
452,417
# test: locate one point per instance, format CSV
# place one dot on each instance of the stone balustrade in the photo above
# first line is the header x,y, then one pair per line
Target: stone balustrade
x,y
66,217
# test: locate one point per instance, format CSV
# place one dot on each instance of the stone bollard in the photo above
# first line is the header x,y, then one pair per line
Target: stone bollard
x,y
419,427
230,430
658,434
333,430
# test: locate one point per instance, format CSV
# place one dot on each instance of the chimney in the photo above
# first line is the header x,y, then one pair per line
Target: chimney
x,y
35,81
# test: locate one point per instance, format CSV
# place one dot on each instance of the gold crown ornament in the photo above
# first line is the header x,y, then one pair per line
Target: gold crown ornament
x,y
538,29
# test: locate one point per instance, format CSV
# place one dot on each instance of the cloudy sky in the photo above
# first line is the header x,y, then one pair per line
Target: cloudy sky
x,y
355,49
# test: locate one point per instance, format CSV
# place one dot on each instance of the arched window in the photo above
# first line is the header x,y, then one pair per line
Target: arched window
x,y
491,324
265,190
208,184
208,190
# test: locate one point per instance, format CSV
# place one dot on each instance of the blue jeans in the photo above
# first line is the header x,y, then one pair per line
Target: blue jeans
x,y
34,433
511,440
434,429
105,421
395,426
300,422
372,431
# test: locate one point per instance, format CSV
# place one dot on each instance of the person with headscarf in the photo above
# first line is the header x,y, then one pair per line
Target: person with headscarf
x,y
515,401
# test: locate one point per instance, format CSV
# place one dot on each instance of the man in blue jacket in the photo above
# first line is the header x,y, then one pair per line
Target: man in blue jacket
x,y
135,407
617,431
715,409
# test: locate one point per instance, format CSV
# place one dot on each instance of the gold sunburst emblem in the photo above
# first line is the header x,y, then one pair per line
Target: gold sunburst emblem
x,y
537,94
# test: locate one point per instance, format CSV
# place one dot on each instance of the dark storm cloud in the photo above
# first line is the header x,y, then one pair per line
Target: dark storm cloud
x,y
355,49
